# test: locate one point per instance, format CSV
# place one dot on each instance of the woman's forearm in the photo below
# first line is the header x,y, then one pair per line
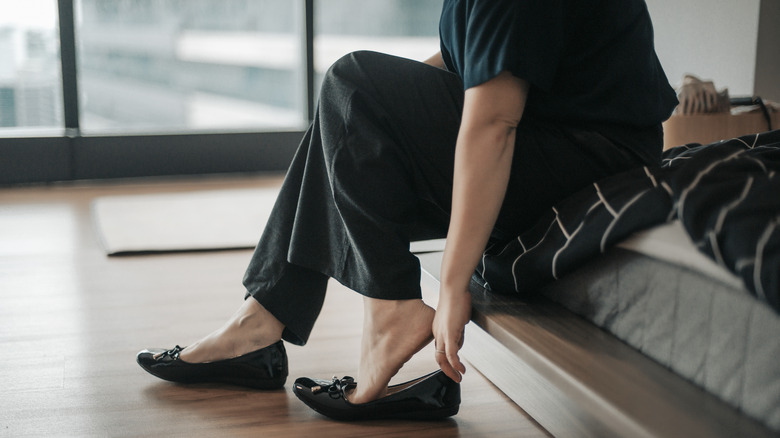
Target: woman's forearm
x,y
483,160
482,165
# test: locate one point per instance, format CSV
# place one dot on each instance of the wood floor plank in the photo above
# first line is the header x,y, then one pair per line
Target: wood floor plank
x,y
72,320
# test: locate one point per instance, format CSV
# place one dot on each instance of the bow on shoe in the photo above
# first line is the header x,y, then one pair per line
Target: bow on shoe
x,y
172,353
336,388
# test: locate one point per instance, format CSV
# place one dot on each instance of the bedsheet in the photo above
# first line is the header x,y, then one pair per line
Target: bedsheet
x,y
726,195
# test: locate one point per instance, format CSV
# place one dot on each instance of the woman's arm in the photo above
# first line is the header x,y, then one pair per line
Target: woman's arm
x,y
436,60
483,159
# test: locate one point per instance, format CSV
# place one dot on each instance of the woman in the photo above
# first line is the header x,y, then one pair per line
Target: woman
x,y
527,102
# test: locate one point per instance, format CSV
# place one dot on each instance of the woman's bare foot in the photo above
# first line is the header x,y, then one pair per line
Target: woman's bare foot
x,y
393,331
252,327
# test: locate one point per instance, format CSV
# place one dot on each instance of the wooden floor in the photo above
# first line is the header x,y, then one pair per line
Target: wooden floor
x,y
72,319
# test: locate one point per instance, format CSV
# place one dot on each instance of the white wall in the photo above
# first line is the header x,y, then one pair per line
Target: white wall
x,y
768,62
713,39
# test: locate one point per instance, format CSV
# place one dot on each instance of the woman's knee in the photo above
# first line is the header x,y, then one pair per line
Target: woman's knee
x,y
354,62
350,71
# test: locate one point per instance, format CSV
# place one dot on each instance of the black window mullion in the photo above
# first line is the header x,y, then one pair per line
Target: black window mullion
x,y
309,49
70,93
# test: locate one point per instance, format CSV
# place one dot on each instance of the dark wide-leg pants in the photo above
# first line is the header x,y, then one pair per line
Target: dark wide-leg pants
x,y
374,172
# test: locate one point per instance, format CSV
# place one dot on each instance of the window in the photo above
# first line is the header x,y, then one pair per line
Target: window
x,y
407,28
30,85
130,88
173,65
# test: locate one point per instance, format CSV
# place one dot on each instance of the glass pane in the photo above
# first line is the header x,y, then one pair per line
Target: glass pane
x,y
30,84
172,65
408,28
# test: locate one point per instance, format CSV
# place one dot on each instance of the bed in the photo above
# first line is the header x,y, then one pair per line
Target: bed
x,y
674,275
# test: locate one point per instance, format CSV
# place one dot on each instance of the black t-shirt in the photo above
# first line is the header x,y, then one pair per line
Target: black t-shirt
x,y
588,61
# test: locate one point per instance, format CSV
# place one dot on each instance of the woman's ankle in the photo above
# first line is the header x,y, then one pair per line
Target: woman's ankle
x,y
255,323
251,328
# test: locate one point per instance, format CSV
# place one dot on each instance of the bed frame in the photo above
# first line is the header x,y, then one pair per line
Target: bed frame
x,y
576,379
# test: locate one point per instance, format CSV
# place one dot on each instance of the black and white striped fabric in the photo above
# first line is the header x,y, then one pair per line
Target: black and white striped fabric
x,y
726,194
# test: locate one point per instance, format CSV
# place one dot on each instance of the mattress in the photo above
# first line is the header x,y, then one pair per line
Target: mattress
x,y
658,293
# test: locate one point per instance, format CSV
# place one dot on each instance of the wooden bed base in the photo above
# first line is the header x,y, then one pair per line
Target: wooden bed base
x,y
576,379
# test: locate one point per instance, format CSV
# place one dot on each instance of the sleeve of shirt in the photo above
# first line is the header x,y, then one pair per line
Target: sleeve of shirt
x,y
524,37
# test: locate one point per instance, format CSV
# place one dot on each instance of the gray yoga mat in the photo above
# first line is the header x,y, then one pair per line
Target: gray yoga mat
x,y
192,221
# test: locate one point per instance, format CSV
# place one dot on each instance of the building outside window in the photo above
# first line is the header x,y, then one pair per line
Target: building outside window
x,y
407,28
162,65
30,85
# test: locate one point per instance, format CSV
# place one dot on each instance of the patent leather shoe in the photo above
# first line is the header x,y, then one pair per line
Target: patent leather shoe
x,y
430,397
265,368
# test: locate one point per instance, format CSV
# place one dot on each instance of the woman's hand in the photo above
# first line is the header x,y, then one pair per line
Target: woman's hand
x,y
452,315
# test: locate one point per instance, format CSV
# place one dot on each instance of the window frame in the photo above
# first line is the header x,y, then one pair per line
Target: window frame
x,y
72,156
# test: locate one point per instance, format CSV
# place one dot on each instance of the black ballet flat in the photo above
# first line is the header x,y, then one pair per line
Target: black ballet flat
x,y
430,397
262,369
